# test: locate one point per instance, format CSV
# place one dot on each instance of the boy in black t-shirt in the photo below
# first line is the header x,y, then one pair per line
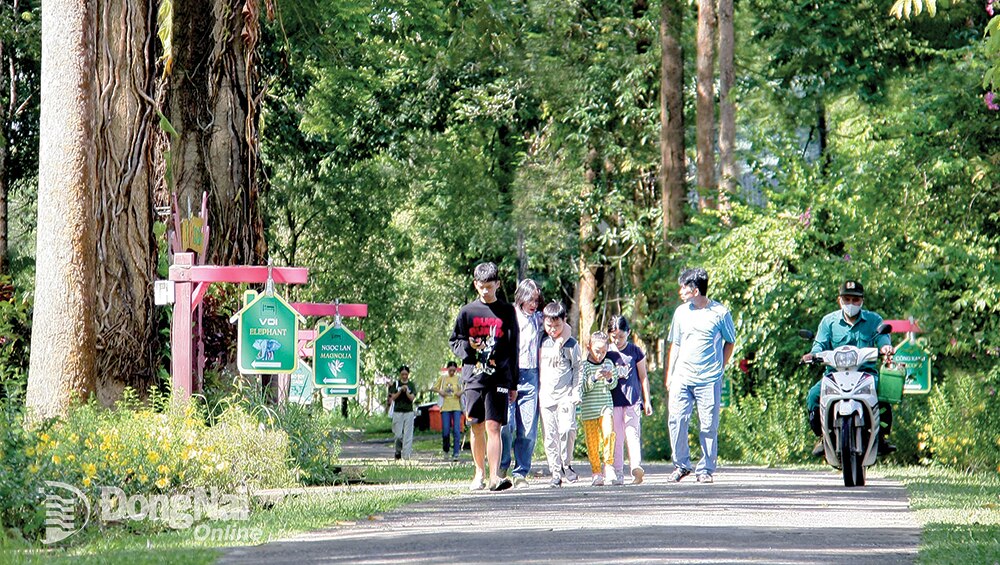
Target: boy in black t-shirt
x,y
485,338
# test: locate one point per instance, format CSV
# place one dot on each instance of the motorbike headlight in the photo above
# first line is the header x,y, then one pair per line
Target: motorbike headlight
x,y
829,386
866,386
844,359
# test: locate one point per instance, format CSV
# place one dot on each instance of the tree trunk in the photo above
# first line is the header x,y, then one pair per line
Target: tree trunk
x,y
727,110
672,162
214,106
705,103
587,286
127,161
63,352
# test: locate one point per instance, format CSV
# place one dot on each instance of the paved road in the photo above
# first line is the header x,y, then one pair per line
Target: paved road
x,y
750,515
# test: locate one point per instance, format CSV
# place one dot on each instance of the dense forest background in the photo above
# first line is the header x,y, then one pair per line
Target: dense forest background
x,y
391,146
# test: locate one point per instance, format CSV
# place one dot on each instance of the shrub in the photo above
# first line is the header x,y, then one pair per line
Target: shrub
x,y
963,427
21,502
767,428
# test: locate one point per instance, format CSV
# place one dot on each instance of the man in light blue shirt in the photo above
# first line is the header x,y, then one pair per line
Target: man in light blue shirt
x,y
701,343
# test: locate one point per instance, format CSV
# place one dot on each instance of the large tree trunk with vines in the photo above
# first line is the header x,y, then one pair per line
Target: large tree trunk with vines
x,y
214,100
62,353
129,167
672,162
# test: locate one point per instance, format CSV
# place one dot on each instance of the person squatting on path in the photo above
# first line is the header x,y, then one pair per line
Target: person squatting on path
x,y
599,376
521,430
701,342
559,392
850,325
631,400
450,389
401,397
485,338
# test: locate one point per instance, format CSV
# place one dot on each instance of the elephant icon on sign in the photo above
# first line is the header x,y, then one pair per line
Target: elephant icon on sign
x,y
266,348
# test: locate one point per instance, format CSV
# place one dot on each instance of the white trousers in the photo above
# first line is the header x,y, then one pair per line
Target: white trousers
x,y
559,429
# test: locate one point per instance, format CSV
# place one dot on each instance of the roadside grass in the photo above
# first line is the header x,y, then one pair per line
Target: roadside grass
x,y
201,544
959,512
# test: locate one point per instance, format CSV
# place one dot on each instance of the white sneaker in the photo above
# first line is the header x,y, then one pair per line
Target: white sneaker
x,y
598,480
571,475
637,475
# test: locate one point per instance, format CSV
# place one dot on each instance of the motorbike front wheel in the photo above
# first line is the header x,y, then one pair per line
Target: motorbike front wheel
x,y
850,460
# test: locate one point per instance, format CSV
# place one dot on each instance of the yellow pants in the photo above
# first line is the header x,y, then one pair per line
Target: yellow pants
x,y
600,436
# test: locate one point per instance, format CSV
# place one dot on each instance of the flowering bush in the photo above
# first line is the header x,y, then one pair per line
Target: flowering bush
x,y
160,447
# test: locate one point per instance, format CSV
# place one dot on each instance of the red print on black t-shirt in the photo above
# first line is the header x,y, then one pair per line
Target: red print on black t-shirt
x,y
481,327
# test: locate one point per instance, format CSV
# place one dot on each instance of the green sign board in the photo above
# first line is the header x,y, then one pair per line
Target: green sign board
x,y
300,390
727,392
268,335
331,392
918,367
337,359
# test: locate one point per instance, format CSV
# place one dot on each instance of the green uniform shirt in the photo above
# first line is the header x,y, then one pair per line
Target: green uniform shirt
x,y
834,331
596,391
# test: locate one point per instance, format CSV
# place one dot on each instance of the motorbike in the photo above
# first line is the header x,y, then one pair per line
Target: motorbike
x,y
848,408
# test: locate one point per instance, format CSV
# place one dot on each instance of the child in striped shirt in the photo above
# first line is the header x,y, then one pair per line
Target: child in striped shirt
x,y
599,377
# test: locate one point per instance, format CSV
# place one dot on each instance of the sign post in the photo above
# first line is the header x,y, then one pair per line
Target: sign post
x,y
915,358
337,359
267,339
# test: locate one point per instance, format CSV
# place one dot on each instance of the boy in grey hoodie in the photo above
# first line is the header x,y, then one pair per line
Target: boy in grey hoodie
x,y
559,392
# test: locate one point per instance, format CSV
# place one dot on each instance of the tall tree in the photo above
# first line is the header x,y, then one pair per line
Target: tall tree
x,y
214,103
705,102
63,352
129,170
727,110
672,162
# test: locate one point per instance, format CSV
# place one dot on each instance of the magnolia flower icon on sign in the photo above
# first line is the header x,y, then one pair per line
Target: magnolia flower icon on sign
x,y
336,367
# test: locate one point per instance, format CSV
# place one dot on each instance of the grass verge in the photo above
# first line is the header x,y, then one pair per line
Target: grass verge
x,y
960,513
202,543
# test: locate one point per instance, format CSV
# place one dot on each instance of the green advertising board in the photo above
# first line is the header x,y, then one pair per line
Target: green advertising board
x,y
301,387
918,367
337,359
267,342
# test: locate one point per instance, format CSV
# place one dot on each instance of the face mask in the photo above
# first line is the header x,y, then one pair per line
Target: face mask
x,y
851,310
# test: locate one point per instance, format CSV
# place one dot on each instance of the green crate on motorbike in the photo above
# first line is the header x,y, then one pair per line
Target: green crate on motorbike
x,y
890,383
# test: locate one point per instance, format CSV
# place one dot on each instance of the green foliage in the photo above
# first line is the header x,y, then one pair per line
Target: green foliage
x,y
15,340
160,447
963,428
761,428
21,501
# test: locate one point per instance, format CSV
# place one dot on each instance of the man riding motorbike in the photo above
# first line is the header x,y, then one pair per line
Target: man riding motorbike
x,y
850,325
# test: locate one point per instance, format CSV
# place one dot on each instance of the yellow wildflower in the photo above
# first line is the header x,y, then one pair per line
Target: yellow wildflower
x,y
86,481
44,437
153,456
34,468
29,451
143,478
56,459
89,444
89,469
71,457
163,482
163,470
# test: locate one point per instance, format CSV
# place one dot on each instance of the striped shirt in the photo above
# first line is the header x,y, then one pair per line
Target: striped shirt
x,y
596,390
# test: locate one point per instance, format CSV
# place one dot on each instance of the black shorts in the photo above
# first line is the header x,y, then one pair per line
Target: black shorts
x,y
483,404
